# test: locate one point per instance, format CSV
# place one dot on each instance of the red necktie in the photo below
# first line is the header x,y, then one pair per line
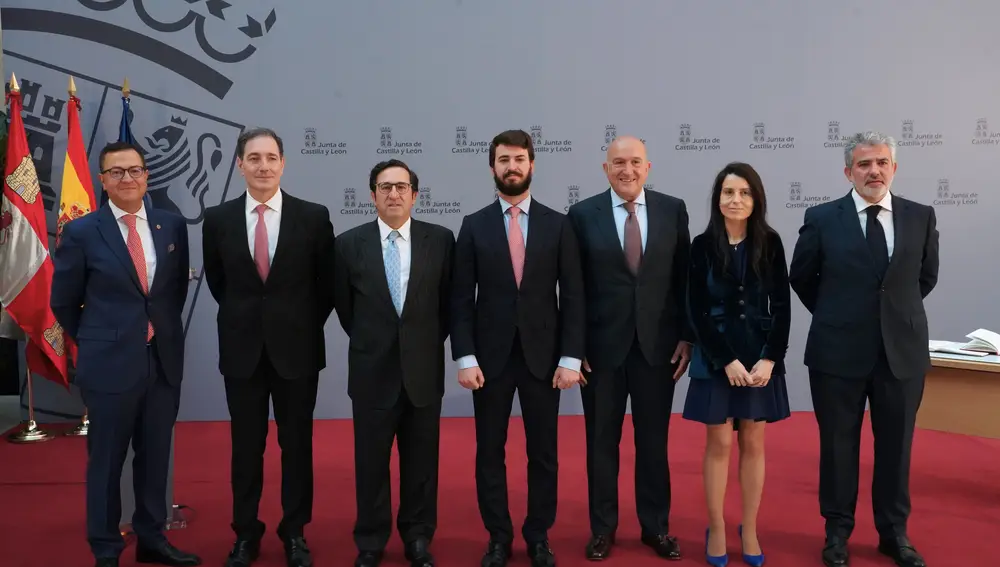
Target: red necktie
x,y
134,244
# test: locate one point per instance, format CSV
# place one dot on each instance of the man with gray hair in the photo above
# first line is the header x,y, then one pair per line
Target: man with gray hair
x,y
862,266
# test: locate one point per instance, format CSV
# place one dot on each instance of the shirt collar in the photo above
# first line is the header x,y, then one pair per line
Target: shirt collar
x,y
617,201
861,204
384,230
274,203
523,205
119,213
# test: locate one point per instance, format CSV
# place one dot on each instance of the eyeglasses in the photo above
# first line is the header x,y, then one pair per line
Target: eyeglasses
x,y
386,188
118,173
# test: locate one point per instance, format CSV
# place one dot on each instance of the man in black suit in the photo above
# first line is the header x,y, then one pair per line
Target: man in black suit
x,y
393,282
517,335
635,248
862,266
119,287
269,264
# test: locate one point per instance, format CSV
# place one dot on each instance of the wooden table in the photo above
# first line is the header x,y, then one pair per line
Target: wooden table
x,y
962,395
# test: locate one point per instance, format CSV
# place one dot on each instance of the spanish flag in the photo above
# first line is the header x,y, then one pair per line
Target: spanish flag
x,y
77,197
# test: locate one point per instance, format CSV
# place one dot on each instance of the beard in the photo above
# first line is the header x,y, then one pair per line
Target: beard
x,y
512,189
873,192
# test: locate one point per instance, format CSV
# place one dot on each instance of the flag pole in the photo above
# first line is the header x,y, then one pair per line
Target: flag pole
x,y
84,427
30,432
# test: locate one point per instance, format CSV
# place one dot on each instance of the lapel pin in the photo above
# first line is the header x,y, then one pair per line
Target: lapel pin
x,y
170,248
157,227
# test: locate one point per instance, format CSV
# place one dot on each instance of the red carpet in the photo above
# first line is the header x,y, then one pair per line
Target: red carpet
x,y
956,499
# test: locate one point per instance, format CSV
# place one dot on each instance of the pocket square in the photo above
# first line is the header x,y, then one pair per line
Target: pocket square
x,y
170,248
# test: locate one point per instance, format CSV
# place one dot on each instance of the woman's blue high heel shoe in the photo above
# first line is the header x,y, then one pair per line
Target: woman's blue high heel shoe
x,y
751,560
714,560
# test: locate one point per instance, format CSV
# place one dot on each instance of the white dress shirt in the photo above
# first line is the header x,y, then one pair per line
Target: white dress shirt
x,y
470,361
145,236
272,221
618,208
884,217
403,243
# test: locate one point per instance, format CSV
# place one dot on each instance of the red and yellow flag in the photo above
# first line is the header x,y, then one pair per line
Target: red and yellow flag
x,y
25,266
77,197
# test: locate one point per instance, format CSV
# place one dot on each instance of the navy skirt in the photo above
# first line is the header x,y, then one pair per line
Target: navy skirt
x,y
714,400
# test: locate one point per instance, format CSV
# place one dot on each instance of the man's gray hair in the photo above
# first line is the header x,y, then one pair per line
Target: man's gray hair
x,y
868,138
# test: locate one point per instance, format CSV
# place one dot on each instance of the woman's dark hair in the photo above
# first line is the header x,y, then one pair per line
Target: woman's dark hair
x,y
758,231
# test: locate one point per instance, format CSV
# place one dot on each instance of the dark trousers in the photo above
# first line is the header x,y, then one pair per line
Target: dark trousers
x,y
651,389
540,412
417,432
293,402
839,404
144,417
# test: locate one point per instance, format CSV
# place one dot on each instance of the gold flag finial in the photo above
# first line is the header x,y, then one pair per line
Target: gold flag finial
x,y
125,88
13,84
72,87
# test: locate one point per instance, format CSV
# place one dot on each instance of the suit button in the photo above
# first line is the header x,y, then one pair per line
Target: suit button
x,y
741,288
742,302
743,316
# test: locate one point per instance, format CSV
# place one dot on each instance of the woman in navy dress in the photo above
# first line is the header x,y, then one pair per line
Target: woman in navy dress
x,y
739,305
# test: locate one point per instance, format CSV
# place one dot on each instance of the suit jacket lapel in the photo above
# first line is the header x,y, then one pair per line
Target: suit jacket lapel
x,y
160,242
418,261
238,219
108,227
852,227
375,264
900,222
537,233
287,226
655,221
606,224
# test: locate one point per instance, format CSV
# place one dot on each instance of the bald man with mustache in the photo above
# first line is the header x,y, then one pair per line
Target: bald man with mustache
x,y
634,244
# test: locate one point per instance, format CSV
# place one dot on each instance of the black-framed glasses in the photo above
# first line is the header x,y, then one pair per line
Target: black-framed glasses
x,y
135,172
385,188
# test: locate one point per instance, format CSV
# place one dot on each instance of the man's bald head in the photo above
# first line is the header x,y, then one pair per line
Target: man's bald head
x,y
627,166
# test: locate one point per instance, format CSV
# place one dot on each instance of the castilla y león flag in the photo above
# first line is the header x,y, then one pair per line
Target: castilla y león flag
x,y
25,265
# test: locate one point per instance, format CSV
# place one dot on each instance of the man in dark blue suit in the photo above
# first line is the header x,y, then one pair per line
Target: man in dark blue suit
x,y
120,283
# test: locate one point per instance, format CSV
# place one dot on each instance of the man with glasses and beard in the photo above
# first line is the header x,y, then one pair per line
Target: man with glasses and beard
x,y
516,335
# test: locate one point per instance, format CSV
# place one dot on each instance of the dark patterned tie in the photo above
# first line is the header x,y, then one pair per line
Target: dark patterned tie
x,y
633,239
875,235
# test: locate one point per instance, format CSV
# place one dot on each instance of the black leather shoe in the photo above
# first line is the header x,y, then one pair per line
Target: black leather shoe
x,y
418,555
244,553
297,552
835,552
599,546
664,545
901,551
497,555
368,559
106,562
166,554
541,554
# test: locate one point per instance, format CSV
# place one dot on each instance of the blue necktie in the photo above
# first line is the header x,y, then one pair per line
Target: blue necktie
x,y
392,272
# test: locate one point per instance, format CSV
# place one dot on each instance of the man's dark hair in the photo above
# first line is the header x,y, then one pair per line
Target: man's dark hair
x,y
384,165
115,147
250,134
513,138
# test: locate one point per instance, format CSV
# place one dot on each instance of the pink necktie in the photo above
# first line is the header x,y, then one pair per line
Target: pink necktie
x,y
260,256
516,242
134,245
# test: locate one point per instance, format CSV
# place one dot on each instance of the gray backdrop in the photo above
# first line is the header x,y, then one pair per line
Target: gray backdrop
x,y
776,83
